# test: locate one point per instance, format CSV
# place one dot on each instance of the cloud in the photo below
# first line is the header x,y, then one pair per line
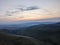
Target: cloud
x,y
28,8
31,8
11,12
8,13
20,9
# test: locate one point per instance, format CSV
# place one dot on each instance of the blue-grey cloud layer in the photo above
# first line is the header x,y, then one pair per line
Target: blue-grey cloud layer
x,y
28,8
20,9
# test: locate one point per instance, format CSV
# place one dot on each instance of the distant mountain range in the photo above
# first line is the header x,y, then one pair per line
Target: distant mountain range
x,y
56,19
21,24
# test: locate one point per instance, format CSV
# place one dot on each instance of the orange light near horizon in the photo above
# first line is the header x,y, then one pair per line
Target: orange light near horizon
x,y
30,15
35,18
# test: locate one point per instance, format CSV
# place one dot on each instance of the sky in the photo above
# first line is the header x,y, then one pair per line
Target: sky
x,y
16,10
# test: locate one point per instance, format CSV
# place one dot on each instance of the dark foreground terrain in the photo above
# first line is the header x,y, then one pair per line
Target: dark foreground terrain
x,y
11,39
45,34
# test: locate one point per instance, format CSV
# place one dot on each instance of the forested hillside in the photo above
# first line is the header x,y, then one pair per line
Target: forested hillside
x,y
48,33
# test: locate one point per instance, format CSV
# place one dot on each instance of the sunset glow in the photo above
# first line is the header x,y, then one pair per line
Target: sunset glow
x,y
12,10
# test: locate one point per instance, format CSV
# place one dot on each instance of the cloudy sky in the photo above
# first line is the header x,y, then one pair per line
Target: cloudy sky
x,y
14,10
